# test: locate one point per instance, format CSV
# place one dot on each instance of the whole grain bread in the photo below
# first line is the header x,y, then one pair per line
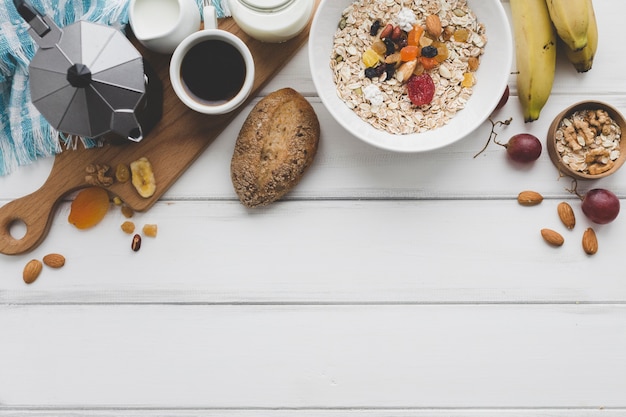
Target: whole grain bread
x,y
277,143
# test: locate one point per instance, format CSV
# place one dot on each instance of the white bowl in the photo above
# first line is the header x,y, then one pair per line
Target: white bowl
x,y
492,75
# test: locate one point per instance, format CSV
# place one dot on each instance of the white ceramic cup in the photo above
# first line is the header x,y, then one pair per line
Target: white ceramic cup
x,y
160,25
189,47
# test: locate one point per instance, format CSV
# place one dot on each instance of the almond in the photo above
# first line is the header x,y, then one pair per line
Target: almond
x,y
433,25
590,241
54,260
566,214
529,198
552,237
32,270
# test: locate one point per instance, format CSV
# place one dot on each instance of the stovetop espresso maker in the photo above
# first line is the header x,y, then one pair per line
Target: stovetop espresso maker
x,y
88,79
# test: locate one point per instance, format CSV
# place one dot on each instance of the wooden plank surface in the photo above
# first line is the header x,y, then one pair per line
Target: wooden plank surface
x,y
383,285
310,357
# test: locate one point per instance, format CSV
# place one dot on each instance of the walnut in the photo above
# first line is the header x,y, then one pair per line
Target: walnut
x,y
97,175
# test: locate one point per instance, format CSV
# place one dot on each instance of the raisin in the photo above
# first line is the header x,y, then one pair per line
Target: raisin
x,y
375,28
391,46
421,89
371,72
390,69
429,51
403,41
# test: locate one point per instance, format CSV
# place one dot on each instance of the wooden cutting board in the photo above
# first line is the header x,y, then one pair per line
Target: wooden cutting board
x,y
171,146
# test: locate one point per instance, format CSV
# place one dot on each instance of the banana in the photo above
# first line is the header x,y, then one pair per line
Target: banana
x,y
583,59
535,52
571,20
142,177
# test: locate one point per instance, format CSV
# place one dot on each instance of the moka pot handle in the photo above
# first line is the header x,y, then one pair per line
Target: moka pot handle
x,y
42,29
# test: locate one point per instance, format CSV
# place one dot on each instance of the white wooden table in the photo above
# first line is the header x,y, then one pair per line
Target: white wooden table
x,y
383,285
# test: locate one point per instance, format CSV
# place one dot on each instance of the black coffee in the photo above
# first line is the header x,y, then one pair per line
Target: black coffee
x,y
213,72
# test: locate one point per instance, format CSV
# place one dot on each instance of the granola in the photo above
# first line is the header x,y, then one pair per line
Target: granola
x,y
390,109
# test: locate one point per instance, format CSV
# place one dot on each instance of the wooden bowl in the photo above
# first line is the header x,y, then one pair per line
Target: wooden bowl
x,y
554,137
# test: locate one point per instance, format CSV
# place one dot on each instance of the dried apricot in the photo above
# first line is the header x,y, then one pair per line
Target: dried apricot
x,y
89,207
409,53
414,35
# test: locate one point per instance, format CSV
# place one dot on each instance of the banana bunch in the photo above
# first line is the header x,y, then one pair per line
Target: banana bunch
x,y
536,25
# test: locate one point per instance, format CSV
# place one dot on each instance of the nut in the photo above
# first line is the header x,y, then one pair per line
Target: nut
x,y
405,71
54,260
552,237
387,31
433,25
590,241
32,270
566,214
97,175
136,243
529,198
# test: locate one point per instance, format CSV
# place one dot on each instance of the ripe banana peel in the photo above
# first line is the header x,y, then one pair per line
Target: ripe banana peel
x,y
571,20
535,52
583,59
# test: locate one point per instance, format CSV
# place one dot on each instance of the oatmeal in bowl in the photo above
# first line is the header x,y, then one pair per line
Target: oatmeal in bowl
x,y
410,75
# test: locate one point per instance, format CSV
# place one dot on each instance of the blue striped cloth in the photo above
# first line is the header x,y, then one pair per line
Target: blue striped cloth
x,y
25,135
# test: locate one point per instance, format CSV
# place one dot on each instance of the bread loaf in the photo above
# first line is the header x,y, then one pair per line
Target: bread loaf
x,y
275,146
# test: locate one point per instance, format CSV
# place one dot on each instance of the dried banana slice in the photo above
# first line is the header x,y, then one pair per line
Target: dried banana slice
x,y
142,177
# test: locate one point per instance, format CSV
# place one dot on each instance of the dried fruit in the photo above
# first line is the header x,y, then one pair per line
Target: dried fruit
x,y
421,89
122,173
468,80
429,51
433,25
428,63
461,35
89,207
54,260
409,53
566,214
414,35
32,270
529,198
590,242
472,63
552,237
150,230
370,58
375,28
143,177
128,227
136,243
127,211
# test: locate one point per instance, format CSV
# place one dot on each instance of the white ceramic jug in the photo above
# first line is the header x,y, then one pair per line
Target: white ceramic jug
x,y
271,20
